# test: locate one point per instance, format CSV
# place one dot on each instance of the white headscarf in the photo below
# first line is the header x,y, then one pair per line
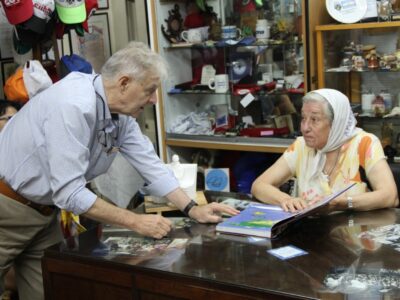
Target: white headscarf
x,y
343,128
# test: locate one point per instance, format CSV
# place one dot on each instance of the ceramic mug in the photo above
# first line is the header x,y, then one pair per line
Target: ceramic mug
x,y
230,32
192,35
262,30
220,83
195,35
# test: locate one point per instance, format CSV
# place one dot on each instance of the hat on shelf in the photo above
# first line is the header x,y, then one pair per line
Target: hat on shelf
x,y
73,62
42,13
71,11
27,36
14,89
35,78
17,11
91,6
79,29
20,46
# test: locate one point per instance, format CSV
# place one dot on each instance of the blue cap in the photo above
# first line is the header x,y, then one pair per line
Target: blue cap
x,y
75,63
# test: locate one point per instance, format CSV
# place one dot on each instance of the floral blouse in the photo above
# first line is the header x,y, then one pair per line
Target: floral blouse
x,y
357,156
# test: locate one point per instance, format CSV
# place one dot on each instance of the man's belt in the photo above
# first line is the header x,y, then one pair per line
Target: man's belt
x,y
6,190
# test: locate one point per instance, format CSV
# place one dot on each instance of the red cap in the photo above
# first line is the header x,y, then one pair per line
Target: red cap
x,y
17,11
91,6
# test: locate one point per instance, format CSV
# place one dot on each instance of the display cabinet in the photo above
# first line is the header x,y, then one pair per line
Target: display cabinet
x,y
363,61
236,85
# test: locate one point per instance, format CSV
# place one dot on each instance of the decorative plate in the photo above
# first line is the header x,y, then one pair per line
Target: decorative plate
x,y
346,11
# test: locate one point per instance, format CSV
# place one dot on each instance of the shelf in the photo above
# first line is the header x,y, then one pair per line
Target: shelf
x,y
363,71
267,144
206,45
369,25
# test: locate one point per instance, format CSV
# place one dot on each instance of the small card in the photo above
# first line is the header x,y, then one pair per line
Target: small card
x,y
287,252
207,73
247,99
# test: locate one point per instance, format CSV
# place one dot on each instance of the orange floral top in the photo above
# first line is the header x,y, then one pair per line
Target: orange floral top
x,y
359,154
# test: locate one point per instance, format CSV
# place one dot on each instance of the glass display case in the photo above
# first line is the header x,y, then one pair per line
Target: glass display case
x,y
363,61
237,73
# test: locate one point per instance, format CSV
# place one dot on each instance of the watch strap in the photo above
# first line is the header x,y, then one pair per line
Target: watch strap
x,y
189,206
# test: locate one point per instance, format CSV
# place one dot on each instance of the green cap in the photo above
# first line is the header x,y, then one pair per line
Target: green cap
x,y
71,11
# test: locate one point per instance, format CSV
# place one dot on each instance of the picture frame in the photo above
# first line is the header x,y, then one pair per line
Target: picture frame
x,y
95,45
8,68
103,4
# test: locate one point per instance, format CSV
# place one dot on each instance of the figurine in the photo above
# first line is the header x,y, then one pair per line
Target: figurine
x,y
372,59
194,17
358,63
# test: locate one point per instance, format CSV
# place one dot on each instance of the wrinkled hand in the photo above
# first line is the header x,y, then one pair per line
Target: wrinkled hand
x,y
294,204
211,213
154,226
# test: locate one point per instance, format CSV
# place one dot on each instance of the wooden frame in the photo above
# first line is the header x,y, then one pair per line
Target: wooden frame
x,y
95,45
8,68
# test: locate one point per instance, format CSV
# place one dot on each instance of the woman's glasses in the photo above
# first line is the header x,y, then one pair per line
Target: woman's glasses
x,y
5,118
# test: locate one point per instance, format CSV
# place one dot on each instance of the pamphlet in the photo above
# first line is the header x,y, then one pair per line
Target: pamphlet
x,y
269,220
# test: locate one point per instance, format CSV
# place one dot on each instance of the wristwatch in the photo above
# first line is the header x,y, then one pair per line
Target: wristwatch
x,y
189,206
349,202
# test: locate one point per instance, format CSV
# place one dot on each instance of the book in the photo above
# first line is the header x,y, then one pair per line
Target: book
x,y
269,221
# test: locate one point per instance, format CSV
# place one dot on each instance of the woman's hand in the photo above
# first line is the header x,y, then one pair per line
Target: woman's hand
x,y
293,204
211,213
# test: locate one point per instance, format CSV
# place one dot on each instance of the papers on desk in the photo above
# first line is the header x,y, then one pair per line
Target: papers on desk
x,y
140,246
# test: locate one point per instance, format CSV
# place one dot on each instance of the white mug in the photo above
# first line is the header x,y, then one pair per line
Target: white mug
x,y
195,35
220,83
230,32
262,30
192,36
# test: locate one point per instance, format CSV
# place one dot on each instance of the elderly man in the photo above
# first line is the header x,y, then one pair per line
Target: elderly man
x,y
69,134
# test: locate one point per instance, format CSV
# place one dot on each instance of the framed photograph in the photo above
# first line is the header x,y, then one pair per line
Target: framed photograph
x,y
95,45
8,68
103,4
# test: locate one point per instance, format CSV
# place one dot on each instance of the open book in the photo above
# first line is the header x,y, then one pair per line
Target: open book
x,y
269,220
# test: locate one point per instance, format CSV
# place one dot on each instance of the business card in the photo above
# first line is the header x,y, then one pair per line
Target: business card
x,y
287,252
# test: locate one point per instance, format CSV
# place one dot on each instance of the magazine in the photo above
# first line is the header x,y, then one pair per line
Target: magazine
x,y
269,220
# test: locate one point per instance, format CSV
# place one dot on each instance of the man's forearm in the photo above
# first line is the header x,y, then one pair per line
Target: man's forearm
x,y
105,212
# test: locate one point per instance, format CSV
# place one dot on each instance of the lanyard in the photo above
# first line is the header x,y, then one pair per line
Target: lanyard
x,y
107,140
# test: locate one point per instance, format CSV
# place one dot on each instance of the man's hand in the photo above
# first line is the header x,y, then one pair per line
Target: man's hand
x,y
211,213
154,226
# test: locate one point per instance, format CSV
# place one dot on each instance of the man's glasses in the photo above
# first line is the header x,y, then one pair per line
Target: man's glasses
x,y
5,118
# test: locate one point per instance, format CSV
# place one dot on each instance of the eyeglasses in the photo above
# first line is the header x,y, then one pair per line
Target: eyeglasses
x,y
5,118
106,141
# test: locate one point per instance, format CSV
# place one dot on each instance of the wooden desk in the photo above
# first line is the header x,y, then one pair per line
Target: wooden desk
x,y
341,259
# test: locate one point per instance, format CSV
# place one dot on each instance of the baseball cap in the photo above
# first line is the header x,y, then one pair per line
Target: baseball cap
x,y
42,13
35,78
91,6
20,46
14,89
17,11
73,62
71,11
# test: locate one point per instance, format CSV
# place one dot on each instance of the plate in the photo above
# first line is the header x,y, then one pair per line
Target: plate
x,y
347,11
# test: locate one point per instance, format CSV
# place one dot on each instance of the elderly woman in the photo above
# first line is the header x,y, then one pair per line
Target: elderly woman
x,y
331,154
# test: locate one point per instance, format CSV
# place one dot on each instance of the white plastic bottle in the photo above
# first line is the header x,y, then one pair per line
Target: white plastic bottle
x,y
177,168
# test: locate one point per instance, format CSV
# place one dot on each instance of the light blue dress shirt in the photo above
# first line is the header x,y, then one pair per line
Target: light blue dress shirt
x,y
65,136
